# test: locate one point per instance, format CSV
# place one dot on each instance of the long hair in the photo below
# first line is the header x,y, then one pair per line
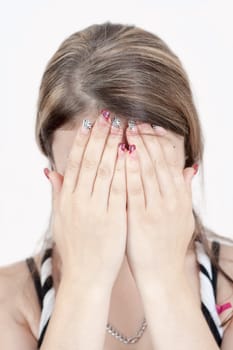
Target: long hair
x,y
129,71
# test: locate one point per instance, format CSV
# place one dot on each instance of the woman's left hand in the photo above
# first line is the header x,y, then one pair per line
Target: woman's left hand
x,y
159,213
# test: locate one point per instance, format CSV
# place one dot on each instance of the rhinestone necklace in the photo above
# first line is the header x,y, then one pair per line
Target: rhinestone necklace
x,y
124,339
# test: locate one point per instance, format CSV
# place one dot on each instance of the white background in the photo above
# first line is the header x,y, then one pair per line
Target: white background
x,y
199,32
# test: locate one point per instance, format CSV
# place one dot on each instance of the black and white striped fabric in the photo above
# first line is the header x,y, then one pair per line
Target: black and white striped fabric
x,y
48,292
207,276
207,292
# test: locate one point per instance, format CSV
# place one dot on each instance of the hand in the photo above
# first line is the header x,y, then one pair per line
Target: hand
x,y
159,215
89,217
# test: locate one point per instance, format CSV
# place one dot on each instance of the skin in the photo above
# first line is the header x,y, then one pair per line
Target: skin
x,y
131,299
126,298
129,296
173,147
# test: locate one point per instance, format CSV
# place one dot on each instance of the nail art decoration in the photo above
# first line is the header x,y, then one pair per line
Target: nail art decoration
x,y
158,128
131,124
122,146
116,122
131,148
195,166
46,172
87,124
105,113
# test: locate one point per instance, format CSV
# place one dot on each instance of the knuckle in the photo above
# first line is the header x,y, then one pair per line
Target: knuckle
x,y
79,140
115,135
119,167
172,205
104,172
89,163
150,172
77,204
61,206
73,163
133,168
110,146
158,163
100,132
157,215
117,190
136,191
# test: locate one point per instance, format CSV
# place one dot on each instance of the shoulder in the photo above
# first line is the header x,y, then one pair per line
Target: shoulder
x,y
225,255
225,252
18,297
224,285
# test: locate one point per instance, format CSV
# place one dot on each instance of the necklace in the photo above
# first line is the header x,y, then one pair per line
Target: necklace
x,y
127,340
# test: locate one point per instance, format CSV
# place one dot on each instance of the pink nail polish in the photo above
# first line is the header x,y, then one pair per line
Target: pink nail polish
x,y
121,149
106,114
122,146
46,172
131,148
195,166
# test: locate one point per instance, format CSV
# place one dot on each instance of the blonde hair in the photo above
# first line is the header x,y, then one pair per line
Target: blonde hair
x,y
129,71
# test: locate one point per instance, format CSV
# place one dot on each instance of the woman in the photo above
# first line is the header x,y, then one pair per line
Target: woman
x,y
126,260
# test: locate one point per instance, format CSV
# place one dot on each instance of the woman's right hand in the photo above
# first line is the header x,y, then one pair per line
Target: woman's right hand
x,y
89,223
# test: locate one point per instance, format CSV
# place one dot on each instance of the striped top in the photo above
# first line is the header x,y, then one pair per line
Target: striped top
x,y
208,288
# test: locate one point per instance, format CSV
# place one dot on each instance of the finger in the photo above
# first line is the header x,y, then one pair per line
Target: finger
x,y
175,169
73,164
148,174
188,174
155,150
159,130
107,165
92,156
56,180
117,195
135,191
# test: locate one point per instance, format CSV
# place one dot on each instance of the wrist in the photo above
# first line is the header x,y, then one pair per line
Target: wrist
x,y
82,284
166,284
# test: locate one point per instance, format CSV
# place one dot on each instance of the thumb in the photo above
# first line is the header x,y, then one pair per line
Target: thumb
x,y
56,180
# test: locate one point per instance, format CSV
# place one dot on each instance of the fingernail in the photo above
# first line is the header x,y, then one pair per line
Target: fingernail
x,y
195,166
131,148
132,125
106,114
86,126
121,149
116,123
46,172
122,146
159,129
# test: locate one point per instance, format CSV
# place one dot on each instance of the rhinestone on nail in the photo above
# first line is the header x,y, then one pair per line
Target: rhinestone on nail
x,y
116,123
131,124
87,124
